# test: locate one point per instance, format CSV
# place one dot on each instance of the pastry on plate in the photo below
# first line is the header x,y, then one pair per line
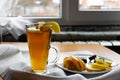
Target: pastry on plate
x,y
74,63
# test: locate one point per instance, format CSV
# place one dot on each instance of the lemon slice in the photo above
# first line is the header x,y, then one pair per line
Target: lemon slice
x,y
52,24
55,26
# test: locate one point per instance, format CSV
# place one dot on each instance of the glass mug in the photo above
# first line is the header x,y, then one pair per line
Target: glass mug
x,y
39,46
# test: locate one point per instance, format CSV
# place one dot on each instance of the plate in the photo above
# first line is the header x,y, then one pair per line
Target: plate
x,y
60,65
81,72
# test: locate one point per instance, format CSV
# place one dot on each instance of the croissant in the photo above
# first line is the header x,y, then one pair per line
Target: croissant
x,y
74,63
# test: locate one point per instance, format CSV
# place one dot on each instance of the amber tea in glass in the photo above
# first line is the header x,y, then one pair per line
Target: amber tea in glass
x,y
39,44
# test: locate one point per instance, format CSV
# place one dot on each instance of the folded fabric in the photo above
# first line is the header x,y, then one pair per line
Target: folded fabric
x,y
9,55
14,26
25,73
17,26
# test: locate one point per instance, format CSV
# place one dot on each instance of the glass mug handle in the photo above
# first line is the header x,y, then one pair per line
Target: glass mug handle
x,y
53,54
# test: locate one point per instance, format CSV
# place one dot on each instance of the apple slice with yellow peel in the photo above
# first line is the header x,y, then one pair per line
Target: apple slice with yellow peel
x,y
89,68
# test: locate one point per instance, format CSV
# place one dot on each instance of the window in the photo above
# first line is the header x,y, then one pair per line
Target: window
x,y
70,12
99,5
91,15
37,8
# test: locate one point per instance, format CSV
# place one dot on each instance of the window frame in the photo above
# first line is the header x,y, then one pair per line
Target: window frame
x,y
72,16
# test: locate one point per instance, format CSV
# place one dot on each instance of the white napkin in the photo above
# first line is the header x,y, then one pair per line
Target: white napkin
x,y
9,55
25,73
15,67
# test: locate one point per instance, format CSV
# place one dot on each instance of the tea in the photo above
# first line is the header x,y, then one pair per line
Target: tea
x,y
39,42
